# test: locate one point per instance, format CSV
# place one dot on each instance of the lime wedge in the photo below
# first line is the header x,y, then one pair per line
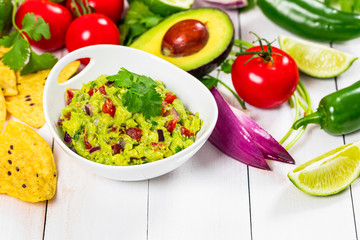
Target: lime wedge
x,y
314,59
329,173
168,7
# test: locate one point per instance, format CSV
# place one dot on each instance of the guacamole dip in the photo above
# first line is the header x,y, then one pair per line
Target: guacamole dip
x,y
126,119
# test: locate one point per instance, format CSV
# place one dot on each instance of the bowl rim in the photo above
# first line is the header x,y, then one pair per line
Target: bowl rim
x,y
177,156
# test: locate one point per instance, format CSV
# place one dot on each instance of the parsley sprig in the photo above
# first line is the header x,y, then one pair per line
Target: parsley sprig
x,y
141,95
21,56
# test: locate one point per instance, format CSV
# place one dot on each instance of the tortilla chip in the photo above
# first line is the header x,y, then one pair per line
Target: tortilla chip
x,y
68,71
2,111
27,169
7,80
27,106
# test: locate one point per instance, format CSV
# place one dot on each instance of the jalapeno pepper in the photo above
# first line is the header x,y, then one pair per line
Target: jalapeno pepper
x,y
5,16
338,113
312,19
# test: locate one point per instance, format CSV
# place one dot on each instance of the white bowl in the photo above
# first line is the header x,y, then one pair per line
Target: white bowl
x,y
108,59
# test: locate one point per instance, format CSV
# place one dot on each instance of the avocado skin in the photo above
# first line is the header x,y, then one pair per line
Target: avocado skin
x,y
209,67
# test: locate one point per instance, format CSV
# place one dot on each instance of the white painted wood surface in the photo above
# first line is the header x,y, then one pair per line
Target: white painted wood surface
x,y
210,197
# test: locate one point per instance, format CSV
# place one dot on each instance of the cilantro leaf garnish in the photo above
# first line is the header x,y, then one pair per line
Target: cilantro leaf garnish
x,y
38,62
21,56
35,28
141,95
18,54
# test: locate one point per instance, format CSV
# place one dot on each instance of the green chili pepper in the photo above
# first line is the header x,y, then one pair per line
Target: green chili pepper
x,y
5,16
312,19
338,113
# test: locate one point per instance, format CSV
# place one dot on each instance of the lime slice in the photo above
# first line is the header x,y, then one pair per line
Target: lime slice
x,y
168,7
329,173
314,59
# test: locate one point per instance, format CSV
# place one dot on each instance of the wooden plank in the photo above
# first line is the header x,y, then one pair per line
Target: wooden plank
x,y
278,209
347,78
206,198
87,206
23,220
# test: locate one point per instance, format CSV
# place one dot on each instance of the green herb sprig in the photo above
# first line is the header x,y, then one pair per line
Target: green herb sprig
x,y
21,56
141,95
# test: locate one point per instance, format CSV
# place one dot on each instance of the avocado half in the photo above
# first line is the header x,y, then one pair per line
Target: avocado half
x,y
217,48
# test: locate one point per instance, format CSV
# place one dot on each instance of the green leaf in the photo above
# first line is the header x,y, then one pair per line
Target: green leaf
x,y
38,62
226,65
151,106
139,88
138,20
35,27
209,81
18,54
151,21
131,101
148,82
8,41
122,79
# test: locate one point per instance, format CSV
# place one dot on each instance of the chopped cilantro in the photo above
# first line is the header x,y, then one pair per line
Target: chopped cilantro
x,y
141,95
178,149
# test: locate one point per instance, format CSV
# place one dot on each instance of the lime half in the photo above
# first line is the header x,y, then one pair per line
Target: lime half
x,y
168,7
329,173
314,59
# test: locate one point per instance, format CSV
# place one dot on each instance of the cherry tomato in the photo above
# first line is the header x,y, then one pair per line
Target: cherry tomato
x,y
91,29
110,8
57,16
263,83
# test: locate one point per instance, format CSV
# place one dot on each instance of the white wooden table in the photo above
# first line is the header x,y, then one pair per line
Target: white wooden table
x,y
211,196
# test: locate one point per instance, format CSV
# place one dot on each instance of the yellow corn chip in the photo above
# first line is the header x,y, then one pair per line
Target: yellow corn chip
x,y
68,71
3,51
2,111
27,106
27,169
7,80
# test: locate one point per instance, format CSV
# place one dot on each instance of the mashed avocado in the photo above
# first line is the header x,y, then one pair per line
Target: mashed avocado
x,y
119,120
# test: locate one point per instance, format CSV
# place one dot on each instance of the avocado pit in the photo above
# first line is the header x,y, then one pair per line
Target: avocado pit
x,y
185,38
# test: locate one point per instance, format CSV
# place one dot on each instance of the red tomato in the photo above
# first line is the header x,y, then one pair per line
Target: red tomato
x,y
169,97
110,8
57,16
170,126
87,144
134,133
91,29
109,107
186,132
265,84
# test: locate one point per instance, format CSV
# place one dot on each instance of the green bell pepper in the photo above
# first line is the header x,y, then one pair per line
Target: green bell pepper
x,y
312,19
338,113
5,16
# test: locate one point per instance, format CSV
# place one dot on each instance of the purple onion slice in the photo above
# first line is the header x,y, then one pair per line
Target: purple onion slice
x,y
67,138
231,137
94,149
161,135
89,109
270,148
229,4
